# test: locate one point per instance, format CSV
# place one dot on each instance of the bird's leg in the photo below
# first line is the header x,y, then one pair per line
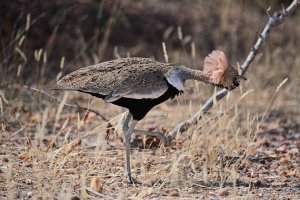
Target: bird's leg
x,y
127,136
126,121
160,135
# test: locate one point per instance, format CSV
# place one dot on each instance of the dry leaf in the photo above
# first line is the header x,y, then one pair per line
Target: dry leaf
x,y
223,192
25,157
36,117
96,184
274,125
290,173
51,144
284,160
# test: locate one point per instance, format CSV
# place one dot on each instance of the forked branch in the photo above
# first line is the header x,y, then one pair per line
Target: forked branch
x,y
274,20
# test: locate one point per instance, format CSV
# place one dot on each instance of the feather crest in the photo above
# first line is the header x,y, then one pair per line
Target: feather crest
x,y
216,64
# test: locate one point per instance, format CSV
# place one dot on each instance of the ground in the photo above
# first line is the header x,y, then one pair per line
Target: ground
x,y
224,156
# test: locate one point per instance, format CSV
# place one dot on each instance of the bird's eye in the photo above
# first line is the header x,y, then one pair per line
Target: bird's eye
x,y
232,73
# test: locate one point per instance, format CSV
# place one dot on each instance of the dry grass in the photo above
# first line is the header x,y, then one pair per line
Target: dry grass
x,y
245,148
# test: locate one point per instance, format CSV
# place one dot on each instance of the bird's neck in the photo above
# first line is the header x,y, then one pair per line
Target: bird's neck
x,y
190,74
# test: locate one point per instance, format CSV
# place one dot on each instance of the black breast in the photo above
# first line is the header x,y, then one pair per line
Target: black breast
x,y
140,107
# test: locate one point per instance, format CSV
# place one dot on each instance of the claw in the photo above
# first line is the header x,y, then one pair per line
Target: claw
x,y
129,178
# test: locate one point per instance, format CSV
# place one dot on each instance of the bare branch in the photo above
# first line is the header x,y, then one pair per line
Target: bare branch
x,y
75,105
274,20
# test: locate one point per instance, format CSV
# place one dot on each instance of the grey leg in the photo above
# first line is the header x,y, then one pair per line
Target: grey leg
x,y
127,148
127,119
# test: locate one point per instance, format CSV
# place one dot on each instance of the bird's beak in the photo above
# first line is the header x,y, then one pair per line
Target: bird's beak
x,y
242,77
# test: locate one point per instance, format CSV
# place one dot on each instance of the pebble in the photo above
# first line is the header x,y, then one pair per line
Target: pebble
x,y
174,193
293,151
223,192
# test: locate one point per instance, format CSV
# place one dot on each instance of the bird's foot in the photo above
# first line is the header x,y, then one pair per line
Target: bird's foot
x,y
129,178
160,135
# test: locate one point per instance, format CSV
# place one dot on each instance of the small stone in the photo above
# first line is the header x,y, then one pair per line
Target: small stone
x,y
260,195
29,194
256,182
285,180
174,193
290,173
28,181
274,165
5,159
75,198
281,148
293,151
223,192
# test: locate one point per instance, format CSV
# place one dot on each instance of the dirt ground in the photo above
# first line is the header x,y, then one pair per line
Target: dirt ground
x,y
211,161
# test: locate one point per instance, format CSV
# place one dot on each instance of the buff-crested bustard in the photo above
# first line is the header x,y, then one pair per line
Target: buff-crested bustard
x,y
139,84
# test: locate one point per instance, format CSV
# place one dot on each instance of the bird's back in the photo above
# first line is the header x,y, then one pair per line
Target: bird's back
x,y
125,77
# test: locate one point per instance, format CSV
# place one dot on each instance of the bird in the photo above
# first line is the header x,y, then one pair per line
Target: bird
x,y
139,84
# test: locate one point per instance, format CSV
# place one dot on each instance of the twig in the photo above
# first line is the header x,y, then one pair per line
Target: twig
x,y
75,105
95,193
274,20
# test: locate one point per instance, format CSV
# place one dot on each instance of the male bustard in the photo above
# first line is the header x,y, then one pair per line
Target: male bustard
x,y
139,84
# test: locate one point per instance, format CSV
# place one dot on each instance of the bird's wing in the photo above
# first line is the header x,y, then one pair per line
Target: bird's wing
x,y
115,95
136,78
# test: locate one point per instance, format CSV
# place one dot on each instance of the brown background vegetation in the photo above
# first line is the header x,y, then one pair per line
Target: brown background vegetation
x,y
40,155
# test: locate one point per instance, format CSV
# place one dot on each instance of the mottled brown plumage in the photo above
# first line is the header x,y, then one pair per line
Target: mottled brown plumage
x,y
117,78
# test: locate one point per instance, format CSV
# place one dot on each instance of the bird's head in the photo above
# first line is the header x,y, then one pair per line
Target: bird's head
x,y
220,72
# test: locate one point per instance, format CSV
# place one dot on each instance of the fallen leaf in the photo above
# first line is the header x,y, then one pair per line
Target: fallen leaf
x,y
290,173
284,160
96,184
36,117
223,192
285,180
51,143
25,157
